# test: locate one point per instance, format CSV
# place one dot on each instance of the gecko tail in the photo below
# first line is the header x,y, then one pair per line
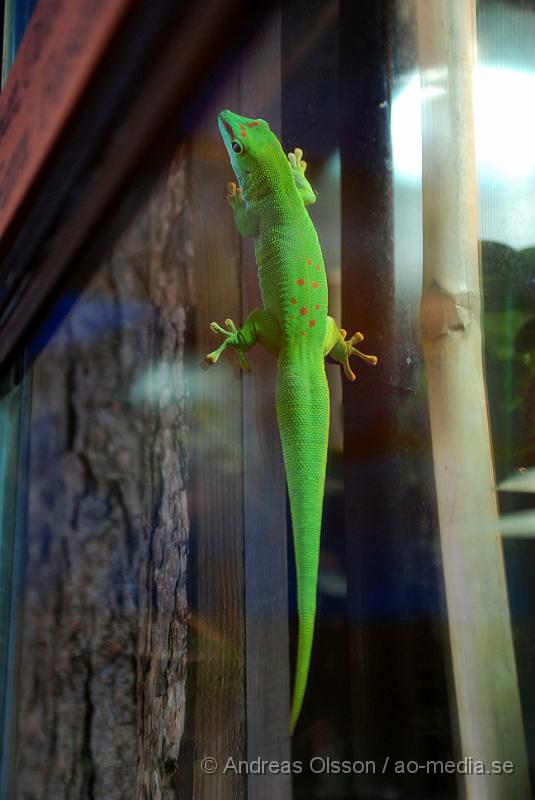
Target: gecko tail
x,y
303,417
302,664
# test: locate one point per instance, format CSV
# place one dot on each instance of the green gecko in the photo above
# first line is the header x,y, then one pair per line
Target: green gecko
x,y
270,205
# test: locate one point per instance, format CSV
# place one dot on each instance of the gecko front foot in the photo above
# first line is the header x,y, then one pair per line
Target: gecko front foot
x,y
235,195
297,163
231,337
346,348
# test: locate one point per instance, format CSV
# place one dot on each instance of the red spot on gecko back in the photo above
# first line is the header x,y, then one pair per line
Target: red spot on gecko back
x,y
309,262
300,282
293,301
303,311
311,323
253,124
315,284
303,333
318,266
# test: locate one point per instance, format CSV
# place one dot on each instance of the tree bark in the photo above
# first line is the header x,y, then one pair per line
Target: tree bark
x,y
104,640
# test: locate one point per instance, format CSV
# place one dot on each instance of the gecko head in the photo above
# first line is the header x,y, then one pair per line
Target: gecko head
x,y
253,148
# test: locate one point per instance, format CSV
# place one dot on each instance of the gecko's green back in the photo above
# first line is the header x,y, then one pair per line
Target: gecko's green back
x,y
270,205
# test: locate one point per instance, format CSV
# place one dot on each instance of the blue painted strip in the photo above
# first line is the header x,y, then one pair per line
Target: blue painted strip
x,y
17,14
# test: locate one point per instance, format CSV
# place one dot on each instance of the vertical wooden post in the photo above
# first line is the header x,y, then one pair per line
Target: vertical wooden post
x,y
219,624
398,685
266,580
242,694
484,671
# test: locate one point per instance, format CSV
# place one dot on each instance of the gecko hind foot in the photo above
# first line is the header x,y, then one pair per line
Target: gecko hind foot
x,y
231,336
349,349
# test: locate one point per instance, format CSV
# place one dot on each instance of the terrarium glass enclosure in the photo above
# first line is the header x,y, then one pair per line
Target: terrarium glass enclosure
x,y
149,622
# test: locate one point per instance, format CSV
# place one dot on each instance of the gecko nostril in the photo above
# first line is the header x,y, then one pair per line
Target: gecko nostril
x,y
227,127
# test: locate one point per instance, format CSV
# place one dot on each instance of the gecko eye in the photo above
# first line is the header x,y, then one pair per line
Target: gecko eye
x,y
236,146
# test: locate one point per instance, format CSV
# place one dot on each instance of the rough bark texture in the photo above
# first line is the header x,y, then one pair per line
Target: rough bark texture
x,y
105,623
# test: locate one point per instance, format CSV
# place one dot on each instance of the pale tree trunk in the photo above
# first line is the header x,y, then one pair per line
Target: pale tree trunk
x,y
484,672
104,634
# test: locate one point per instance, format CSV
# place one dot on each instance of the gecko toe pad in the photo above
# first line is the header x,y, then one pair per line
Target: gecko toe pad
x,y
231,336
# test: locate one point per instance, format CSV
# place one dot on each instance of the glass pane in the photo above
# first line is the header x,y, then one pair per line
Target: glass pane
x,y
504,124
158,637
